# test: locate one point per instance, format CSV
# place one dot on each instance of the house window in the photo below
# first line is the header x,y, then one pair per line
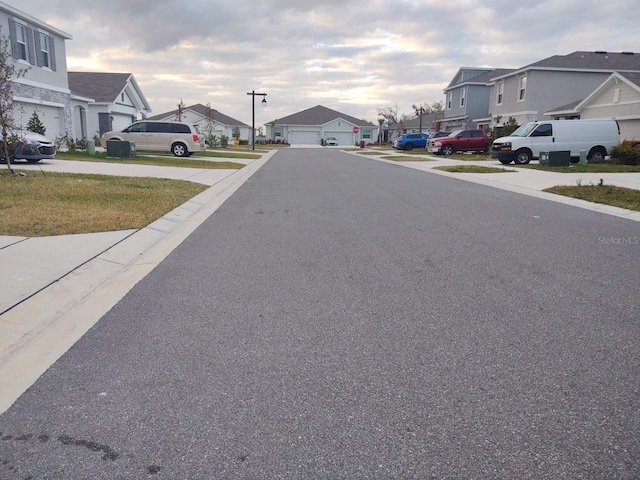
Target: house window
x,y
366,133
522,88
21,38
499,93
44,48
449,97
462,96
278,131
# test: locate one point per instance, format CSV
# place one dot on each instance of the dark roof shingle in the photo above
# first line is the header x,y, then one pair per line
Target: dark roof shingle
x,y
320,115
103,87
607,61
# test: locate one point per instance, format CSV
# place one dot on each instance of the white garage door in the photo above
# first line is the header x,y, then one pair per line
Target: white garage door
x,y
51,117
304,137
344,139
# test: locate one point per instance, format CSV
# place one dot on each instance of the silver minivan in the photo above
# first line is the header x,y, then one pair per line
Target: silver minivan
x,y
179,138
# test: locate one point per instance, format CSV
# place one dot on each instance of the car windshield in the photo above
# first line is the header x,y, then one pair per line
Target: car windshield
x,y
523,130
454,133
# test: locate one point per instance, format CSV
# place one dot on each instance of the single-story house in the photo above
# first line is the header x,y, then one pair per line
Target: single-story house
x,y
208,119
104,101
310,126
618,97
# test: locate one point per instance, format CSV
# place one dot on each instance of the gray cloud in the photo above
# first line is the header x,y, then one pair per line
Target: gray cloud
x,y
351,56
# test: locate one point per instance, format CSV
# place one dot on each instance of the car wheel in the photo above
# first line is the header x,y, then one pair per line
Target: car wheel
x,y
504,161
179,150
448,150
409,146
596,155
523,157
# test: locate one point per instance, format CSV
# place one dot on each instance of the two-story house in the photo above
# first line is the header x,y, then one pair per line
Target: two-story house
x,y
467,98
39,49
530,93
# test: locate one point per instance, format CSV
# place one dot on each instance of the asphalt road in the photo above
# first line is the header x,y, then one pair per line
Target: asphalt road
x,y
340,317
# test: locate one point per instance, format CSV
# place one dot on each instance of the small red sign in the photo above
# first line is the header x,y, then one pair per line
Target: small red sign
x,y
356,129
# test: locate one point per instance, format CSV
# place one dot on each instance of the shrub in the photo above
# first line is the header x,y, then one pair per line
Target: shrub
x,y
627,153
82,143
35,125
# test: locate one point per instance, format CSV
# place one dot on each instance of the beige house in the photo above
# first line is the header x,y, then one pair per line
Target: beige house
x,y
618,97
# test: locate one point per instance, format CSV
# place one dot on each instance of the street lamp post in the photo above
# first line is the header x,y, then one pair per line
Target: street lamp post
x,y
253,114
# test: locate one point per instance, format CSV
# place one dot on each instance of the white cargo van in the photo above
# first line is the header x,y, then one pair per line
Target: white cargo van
x,y
596,137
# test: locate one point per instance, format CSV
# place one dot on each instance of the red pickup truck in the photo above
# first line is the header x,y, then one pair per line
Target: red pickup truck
x,y
460,141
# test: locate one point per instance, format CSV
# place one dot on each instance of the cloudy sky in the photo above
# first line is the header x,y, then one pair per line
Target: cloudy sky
x,y
352,56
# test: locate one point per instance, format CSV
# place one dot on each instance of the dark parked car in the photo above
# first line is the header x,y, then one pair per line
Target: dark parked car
x,y
29,146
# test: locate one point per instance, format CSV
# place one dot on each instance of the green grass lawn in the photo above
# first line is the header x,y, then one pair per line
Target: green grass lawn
x,y
605,194
588,168
407,158
36,205
472,169
469,157
160,160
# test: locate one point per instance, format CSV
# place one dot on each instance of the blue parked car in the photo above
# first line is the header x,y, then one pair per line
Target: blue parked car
x,y
409,141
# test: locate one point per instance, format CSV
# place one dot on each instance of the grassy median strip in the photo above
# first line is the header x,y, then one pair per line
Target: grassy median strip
x,y
168,161
472,169
588,168
39,205
606,194
406,158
